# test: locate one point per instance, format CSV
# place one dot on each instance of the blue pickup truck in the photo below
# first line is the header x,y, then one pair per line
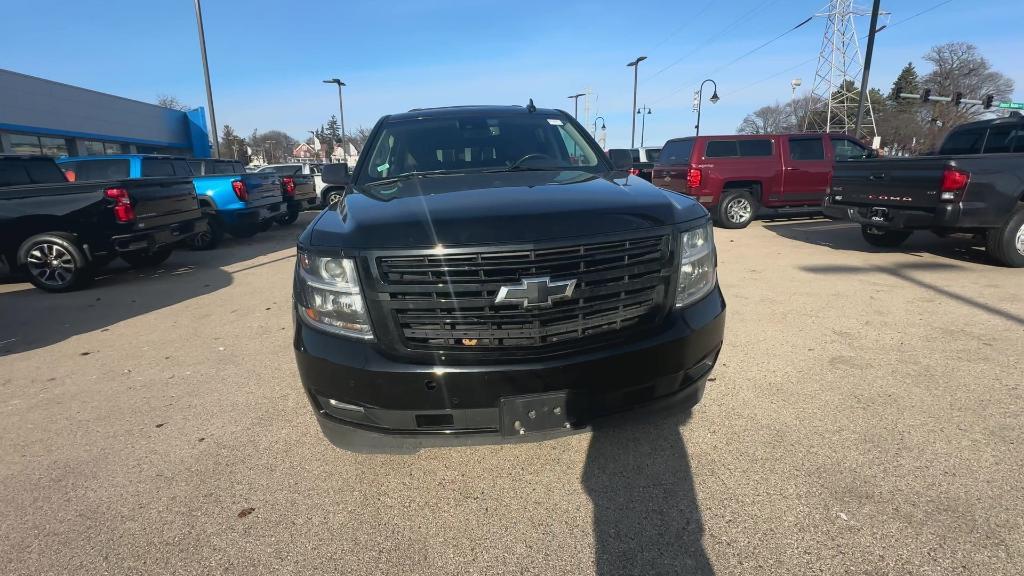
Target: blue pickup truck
x,y
234,201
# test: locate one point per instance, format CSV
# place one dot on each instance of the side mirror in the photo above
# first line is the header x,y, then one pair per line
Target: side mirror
x,y
621,159
336,174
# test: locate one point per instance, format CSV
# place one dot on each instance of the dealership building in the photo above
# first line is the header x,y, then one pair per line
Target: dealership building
x,y
40,116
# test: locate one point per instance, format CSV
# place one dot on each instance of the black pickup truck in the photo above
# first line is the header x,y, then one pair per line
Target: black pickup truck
x,y
974,185
490,275
60,232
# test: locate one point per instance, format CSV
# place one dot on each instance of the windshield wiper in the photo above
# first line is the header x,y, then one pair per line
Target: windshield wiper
x,y
411,175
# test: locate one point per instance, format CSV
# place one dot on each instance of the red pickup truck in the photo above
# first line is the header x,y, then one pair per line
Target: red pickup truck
x,y
735,176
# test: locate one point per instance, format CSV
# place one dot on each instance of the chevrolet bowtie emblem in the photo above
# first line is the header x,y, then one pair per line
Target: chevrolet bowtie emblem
x,y
532,292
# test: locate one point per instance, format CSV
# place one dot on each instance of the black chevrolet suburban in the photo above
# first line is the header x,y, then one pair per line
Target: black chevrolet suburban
x,y
491,275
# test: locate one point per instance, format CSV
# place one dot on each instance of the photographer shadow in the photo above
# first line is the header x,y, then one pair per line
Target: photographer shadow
x,y
646,516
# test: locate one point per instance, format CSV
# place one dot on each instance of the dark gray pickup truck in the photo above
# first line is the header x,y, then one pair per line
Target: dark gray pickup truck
x,y
974,185
60,232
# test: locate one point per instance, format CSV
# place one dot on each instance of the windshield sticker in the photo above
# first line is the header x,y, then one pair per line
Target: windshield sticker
x,y
554,121
383,167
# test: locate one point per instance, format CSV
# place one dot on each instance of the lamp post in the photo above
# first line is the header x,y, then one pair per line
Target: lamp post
x,y
206,75
700,96
794,84
603,127
341,110
643,111
316,154
576,104
635,65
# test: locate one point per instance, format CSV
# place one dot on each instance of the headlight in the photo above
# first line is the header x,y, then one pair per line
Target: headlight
x,y
696,264
330,298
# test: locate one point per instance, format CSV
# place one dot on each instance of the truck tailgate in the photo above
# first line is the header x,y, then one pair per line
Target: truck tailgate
x,y
264,187
905,182
161,201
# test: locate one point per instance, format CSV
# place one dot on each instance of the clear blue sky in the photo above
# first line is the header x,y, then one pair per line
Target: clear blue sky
x,y
267,58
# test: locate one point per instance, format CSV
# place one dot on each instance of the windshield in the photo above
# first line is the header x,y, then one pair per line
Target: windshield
x,y
478,143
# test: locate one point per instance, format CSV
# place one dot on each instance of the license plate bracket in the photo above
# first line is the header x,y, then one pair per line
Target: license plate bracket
x,y
533,413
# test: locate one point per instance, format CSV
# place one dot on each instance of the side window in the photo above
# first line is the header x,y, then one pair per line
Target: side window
x,y
1001,139
721,149
754,148
964,142
676,152
806,149
156,168
96,170
843,149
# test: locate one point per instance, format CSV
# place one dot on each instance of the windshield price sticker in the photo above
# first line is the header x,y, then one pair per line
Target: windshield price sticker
x,y
554,121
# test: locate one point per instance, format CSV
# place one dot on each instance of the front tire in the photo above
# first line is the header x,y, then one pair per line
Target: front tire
x,y
736,210
55,263
210,238
884,238
146,259
1006,243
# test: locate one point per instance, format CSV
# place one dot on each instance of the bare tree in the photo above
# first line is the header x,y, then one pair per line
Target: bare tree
x,y
959,67
772,119
172,102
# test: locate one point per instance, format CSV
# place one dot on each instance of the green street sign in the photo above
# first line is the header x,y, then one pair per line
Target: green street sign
x,y
1012,105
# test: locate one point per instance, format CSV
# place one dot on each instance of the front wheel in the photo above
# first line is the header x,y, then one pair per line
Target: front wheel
x,y
55,263
884,238
736,210
146,259
288,217
1006,243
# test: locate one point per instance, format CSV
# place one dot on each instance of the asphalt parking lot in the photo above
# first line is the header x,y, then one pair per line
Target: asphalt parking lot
x,y
865,418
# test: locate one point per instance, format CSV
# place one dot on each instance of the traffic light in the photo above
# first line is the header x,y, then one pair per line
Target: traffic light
x,y
926,94
986,102
957,98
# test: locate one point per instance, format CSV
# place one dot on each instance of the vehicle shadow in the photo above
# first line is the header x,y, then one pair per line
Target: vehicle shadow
x,y
903,273
35,319
646,515
846,236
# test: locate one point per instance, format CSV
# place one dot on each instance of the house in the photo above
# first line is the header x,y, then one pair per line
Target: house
x,y
338,156
305,152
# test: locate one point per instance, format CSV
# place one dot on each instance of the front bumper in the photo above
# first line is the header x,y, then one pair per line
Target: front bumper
x,y
386,404
157,238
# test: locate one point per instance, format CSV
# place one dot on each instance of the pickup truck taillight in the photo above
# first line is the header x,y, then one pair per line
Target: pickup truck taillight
x,y
123,210
693,178
288,183
240,190
634,171
954,183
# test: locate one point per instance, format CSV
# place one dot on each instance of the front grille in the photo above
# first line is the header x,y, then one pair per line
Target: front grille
x,y
446,302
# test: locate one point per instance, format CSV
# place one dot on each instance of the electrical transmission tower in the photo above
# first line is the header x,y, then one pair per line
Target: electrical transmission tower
x,y
835,92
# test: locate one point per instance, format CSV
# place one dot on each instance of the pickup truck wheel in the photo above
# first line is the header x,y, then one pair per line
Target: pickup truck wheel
x,y
288,218
736,210
1006,244
55,263
884,238
332,198
210,238
146,259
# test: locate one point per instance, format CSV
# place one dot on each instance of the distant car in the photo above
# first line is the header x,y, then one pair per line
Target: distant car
x,y
61,232
974,185
643,161
234,201
298,185
735,176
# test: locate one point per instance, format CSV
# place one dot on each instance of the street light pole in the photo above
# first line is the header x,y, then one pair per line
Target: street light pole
x,y
206,74
341,110
700,96
643,111
635,65
576,104
602,129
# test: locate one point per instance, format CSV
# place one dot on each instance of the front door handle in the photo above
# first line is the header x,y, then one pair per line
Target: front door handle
x,y
879,176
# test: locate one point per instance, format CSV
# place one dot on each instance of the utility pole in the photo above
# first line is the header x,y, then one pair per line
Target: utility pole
x,y
643,111
341,111
635,65
576,104
867,68
206,74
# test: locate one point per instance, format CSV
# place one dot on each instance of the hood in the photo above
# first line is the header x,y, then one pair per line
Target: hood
x,y
507,207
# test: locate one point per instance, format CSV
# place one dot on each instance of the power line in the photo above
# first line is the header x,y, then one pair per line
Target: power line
x,y
689,19
925,11
713,38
